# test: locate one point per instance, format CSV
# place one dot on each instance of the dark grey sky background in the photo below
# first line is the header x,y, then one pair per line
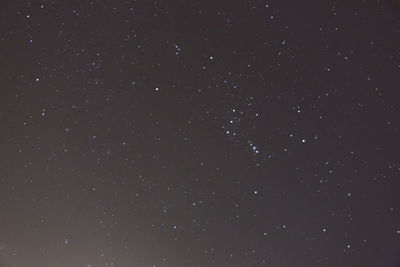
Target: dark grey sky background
x,y
199,133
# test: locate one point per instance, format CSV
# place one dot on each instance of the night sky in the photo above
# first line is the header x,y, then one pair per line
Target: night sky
x,y
199,133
